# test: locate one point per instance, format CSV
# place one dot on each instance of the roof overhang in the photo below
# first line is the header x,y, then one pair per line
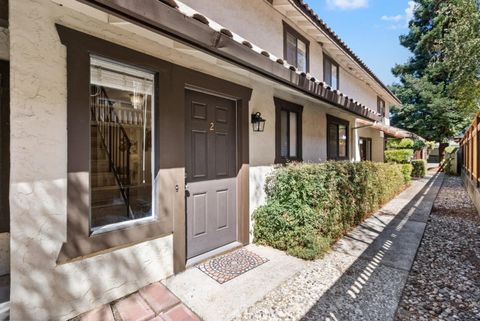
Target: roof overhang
x,y
388,130
306,19
165,18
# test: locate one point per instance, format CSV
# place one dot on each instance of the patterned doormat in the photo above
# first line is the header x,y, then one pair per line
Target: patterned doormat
x,y
229,266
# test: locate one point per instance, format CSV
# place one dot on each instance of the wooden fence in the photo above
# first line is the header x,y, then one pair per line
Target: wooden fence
x,y
469,150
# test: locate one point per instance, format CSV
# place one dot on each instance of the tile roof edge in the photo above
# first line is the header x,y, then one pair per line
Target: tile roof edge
x,y
322,25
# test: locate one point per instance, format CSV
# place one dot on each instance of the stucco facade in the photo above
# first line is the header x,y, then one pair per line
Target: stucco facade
x,y
42,288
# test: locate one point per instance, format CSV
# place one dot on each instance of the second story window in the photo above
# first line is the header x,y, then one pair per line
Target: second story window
x,y
295,48
381,106
331,72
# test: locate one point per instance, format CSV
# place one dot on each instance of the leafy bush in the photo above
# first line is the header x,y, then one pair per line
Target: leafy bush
x,y
399,156
448,167
407,172
419,168
400,143
309,206
419,145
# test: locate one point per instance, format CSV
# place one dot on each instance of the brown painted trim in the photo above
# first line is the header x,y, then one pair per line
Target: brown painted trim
x,y
333,63
280,105
338,121
4,146
381,107
158,17
289,29
371,144
4,13
171,81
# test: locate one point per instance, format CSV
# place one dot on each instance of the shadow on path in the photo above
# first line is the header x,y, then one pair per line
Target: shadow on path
x,y
370,289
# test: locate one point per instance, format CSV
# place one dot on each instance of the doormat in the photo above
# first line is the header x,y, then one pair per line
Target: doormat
x,y
229,266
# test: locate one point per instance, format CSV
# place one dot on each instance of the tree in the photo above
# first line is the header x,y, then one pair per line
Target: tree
x,y
439,85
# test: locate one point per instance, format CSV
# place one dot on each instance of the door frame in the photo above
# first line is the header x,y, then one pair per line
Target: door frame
x,y
365,139
196,81
5,146
237,210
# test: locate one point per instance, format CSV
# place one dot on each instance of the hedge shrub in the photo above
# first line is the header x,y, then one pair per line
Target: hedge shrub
x,y
419,168
399,156
309,206
397,143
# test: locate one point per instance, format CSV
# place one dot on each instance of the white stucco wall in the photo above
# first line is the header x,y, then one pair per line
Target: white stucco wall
x,y
258,22
377,142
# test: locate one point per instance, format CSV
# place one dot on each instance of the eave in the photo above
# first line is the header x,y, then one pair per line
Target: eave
x,y
165,18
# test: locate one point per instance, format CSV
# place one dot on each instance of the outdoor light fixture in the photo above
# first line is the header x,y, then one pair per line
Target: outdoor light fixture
x,y
258,122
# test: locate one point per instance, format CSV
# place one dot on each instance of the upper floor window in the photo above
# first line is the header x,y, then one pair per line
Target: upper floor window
x,y
337,138
381,106
331,72
295,48
288,131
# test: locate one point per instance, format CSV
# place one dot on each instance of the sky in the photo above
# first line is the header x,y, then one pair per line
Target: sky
x,y
371,29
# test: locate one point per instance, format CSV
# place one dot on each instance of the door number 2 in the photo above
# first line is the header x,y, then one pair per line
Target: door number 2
x,y
212,126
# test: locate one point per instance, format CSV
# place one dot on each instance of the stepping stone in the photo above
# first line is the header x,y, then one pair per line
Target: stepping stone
x,y
180,313
134,308
158,297
102,313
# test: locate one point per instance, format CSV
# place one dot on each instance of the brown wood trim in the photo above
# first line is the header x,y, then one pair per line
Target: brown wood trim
x,y
339,121
333,63
280,105
4,146
289,29
162,19
381,106
371,144
171,81
4,13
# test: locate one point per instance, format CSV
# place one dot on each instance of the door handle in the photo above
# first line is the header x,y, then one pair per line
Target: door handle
x,y
187,192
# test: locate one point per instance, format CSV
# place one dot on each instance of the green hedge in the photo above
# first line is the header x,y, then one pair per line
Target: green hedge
x,y
400,143
419,168
399,156
309,206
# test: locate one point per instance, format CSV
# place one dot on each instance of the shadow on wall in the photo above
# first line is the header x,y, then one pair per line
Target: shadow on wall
x,y
43,290
370,289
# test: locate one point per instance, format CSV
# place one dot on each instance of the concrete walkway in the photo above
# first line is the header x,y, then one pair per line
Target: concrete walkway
x,y
363,276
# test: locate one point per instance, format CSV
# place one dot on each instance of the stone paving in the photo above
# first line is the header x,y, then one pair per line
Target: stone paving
x,y
444,283
151,303
363,276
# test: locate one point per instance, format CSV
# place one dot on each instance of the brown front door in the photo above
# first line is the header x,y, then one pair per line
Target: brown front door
x,y
211,172
4,147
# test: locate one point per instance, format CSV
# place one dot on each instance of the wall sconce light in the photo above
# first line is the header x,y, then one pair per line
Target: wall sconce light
x,y
258,122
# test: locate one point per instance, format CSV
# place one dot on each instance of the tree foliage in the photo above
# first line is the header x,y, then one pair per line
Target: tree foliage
x,y
439,85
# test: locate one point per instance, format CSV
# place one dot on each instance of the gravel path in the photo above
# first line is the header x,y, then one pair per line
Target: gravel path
x,y
444,282
362,277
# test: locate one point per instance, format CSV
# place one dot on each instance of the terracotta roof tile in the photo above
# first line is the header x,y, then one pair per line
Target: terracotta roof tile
x,y
227,32
200,18
265,53
305,8
319,88
171,3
